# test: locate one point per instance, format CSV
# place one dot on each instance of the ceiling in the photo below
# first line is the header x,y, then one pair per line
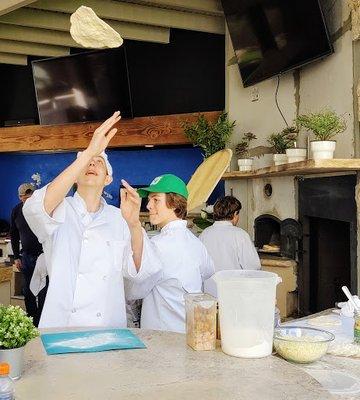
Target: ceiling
x,y
41,27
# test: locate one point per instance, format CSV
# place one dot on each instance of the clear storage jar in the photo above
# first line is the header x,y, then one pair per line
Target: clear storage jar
x,y
200,321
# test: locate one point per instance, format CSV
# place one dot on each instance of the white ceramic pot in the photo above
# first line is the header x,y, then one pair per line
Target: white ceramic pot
x,y
280,159
296,154
15,358
245,164
322,149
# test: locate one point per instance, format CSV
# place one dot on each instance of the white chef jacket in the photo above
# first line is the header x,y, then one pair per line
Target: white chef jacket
x,y
186,264
86,257
230,247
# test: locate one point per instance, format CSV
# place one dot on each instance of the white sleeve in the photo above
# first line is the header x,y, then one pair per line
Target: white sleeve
x,y
40,222
207,268
247,254
138,284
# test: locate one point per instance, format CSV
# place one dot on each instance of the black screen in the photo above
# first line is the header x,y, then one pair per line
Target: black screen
x,y
273,36
83,87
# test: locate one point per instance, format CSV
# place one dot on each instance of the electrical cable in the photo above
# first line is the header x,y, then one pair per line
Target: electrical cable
x,y
276,100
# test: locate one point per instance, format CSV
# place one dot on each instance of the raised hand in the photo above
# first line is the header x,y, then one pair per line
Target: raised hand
x,y
103,134
130,204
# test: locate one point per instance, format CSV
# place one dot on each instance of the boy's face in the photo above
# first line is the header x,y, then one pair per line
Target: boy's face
x,y
159,212
94,174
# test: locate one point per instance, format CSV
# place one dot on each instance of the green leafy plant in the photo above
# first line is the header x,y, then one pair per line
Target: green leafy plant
x,y
324,124
210,137
242,148
280,141
16,328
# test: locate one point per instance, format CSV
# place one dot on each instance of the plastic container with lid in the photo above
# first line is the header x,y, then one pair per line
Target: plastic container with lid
x,y
200,321
6,383
246,309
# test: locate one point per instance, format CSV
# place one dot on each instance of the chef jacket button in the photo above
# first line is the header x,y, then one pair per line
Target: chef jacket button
x,y
73,310
104,278
98,314
85,240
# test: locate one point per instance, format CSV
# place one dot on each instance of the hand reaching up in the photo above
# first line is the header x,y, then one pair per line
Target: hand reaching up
x,y
103,134
130,204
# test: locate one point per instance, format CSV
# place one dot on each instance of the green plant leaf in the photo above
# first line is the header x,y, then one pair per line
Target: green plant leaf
x,y
16,328
210,137
324,124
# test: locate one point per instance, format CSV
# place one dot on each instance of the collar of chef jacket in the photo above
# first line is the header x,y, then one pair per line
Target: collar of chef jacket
x,y
80,207
177,224
223,223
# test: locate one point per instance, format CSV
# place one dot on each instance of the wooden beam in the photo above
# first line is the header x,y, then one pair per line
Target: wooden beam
x,y
36,35
139,14
7,6
27,17
211,7
35,49
157,131
16,59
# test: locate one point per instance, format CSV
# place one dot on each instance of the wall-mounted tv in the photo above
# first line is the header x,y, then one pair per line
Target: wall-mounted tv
x,y
88,86
271,37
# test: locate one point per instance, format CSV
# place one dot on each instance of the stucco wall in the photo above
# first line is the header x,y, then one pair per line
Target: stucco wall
x,y
325,83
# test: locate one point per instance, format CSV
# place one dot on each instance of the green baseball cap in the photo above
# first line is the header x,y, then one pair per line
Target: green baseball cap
x,y
167,183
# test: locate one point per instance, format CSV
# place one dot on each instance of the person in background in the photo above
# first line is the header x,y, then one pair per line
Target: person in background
x,y
185,261
25,260
88,244
229,246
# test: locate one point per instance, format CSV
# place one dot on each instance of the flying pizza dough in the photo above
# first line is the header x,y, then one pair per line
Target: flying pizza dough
x,y
88,30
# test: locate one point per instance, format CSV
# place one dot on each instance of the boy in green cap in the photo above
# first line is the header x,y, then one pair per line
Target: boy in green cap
x,y
185,260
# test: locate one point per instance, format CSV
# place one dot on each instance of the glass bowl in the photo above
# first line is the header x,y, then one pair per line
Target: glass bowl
x,y
301,344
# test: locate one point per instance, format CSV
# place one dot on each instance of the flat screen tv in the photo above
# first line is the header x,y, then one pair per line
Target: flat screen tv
x,y
88,86
271,37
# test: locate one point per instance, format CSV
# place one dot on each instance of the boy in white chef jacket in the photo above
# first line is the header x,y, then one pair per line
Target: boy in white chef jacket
x,y
229,246
185,261
88,244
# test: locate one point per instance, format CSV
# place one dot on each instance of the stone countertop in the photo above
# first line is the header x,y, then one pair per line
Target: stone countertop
x,y
168,369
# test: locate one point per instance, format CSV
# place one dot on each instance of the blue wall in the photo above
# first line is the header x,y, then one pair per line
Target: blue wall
x,y
138,167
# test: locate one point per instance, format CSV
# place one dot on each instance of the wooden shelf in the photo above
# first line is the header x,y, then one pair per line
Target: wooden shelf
x,y
307,167
141,131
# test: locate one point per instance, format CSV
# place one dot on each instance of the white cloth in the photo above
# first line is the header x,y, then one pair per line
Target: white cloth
x,y
86,259
38,279
230,247
186,264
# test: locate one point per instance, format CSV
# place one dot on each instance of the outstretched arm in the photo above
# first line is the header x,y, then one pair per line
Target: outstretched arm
x,y
130,210
60,186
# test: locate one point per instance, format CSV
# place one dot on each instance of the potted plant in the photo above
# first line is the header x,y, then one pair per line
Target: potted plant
x,y
16,330
210,137
242,151
280,142
294,153
325,125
